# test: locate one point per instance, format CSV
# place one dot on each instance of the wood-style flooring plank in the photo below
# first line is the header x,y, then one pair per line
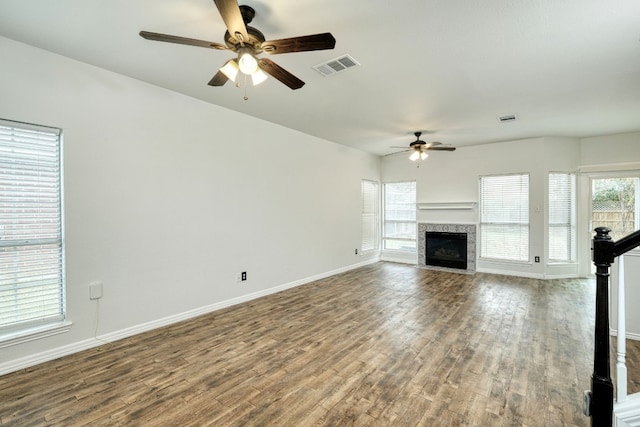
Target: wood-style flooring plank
x,y
385,344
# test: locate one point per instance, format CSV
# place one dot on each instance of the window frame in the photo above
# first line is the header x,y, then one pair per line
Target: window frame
x,y
570,224
523,212
385,220
21,143
370,211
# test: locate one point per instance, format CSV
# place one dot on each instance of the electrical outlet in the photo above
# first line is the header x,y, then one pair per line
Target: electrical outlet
x,y
356,252
95,290
537,259
244,276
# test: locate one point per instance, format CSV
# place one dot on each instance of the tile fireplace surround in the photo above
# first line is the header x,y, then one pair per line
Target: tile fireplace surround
x,y
470,229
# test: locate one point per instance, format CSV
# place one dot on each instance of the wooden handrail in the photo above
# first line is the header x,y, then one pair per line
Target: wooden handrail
x,y
599,403
626,244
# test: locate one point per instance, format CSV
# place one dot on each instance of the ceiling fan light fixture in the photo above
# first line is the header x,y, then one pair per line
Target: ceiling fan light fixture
x,y
418,154
258,77
230,69
247,62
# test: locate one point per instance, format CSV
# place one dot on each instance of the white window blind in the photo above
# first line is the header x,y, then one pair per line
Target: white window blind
x,y
504,217
399,230
31,265
370,216
562,217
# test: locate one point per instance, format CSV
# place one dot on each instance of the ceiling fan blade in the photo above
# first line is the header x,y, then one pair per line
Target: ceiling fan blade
x,y
181,40
433,143
218,80
397,152
279,73
445,148
300,44
232,17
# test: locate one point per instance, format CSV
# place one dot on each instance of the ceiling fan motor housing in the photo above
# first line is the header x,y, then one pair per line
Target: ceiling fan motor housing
x,y
256,38
415,144
247,12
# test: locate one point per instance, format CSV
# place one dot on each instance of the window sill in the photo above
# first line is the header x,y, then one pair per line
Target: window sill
x,y
447,206
33,334
561,263
505,261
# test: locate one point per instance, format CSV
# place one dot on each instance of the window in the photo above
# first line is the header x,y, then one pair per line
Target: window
x,y
562,217
504,217
399,230
615,204
370,221
31,251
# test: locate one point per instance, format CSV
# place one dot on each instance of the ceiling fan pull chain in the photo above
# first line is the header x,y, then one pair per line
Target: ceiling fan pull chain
x,y
245,87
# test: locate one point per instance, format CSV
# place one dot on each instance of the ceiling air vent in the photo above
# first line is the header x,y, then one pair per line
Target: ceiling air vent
x,y
508,118
336,65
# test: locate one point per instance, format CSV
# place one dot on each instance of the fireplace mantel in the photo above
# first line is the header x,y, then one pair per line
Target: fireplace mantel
x,y
447,206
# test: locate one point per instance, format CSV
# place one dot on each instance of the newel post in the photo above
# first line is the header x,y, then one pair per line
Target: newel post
x,y
601,398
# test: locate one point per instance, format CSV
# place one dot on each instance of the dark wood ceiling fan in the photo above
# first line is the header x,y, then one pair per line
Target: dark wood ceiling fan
x,y
420,147
248,43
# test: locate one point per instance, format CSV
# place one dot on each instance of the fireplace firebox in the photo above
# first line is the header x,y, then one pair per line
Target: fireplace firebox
x,y
445,249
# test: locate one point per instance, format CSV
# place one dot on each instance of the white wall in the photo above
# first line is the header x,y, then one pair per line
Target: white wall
x,y
164,207
164,203
599,156
454,177
610,152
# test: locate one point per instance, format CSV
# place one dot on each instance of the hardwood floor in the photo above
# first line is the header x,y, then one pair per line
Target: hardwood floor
x,y
386,344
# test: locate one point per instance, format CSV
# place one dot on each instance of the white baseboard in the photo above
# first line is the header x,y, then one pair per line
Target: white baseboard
x,y
510,273
560,276
399,260
630,335
627,413
55,353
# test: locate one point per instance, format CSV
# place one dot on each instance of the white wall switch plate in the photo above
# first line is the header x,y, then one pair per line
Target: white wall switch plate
x,y
95,290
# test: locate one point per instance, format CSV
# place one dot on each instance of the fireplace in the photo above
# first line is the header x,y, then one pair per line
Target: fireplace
x,y
445,249
450,231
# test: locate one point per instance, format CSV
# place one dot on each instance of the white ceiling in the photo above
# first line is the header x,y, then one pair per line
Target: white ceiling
x,y
449,67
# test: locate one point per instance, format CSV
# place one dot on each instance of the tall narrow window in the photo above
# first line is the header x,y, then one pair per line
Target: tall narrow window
x,y
504,217
370,216
399,230
31,252
615,204
562,217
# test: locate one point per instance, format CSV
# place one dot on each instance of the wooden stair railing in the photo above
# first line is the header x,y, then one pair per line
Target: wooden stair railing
x,y
599,400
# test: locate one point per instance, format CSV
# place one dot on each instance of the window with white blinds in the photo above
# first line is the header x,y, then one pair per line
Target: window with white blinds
x,y
31,252
399,227
370,216
562,217
504,217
